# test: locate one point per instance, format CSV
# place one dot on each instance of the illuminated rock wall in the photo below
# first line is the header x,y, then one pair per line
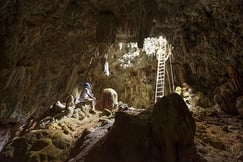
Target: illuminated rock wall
x,y
48,49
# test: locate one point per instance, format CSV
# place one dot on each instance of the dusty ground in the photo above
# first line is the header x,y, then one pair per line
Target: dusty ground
x,y
219,137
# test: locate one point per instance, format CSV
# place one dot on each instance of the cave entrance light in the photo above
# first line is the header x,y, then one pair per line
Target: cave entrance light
x,y
153,46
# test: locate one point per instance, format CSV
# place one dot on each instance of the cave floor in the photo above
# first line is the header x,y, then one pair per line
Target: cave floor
x,y
219,137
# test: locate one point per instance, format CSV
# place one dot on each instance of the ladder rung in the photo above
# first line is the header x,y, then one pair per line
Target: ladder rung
x,y
159,80
159,91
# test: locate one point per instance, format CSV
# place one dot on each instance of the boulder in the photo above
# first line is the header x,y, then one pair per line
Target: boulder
x,y
173,129
163,133
128,140
51,144
37,146
108,100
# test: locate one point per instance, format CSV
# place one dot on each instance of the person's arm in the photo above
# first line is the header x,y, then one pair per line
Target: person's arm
x,y
90,94
77,99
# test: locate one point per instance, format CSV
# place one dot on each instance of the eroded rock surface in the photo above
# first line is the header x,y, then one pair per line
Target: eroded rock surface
x,y
50,140
108,100
174,128
164,133
219,137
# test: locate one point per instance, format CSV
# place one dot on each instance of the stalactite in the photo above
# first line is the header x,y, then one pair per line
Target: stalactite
x,y
106,27
71,81
106,65
144,20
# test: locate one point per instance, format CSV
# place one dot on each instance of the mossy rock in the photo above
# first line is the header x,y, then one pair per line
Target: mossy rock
x,y
40,144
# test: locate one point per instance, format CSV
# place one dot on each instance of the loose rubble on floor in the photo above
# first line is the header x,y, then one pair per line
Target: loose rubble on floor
x,y
218,136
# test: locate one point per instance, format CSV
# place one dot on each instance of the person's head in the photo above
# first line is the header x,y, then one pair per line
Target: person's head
x,y
86,85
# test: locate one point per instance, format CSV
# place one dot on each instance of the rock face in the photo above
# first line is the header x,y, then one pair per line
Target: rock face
x,y
50,48
39,145
164,134
6,131
226,97
173,128
108,100
239,105
52,140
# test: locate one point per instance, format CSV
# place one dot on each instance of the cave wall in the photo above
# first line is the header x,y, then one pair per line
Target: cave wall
x,y
207,38
49,48
43,46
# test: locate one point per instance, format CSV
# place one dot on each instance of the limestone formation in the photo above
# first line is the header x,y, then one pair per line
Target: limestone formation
x,y
239,105
50,48
108,100
137,135
47,48
225,96
165,133
173,129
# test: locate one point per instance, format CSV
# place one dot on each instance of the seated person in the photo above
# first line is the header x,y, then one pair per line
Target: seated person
x,y
87,96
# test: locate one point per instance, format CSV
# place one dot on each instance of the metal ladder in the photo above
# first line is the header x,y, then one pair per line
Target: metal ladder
x,y
160,79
